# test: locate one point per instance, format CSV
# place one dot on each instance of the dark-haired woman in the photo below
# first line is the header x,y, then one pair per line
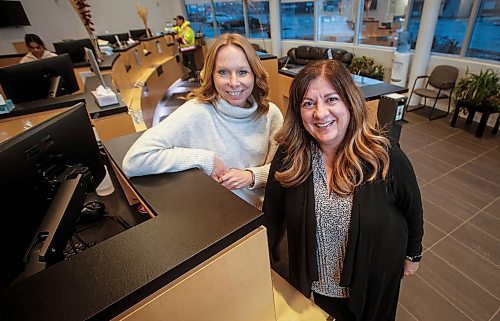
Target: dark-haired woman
x,y
37,49
347,198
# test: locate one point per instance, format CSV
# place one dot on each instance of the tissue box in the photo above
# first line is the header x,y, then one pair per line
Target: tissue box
x,y
6,107
105,97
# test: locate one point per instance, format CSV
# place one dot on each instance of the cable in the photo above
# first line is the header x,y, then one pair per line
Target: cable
x,y
122,221
86,227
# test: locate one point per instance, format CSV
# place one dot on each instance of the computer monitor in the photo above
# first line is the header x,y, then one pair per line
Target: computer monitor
x,y
35,166
13,14
138,34
33,80
112,39
74,48
95,66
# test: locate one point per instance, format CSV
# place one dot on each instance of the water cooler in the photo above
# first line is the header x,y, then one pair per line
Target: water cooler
x,y
400,65
401,60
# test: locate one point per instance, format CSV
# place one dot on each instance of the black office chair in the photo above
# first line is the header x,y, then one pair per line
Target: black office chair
x,y
439,85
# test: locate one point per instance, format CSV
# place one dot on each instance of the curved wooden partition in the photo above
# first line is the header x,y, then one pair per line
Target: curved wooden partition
x,y
143,73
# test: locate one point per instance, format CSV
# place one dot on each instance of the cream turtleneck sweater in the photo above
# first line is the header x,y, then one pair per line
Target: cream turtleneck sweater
x,y
196,133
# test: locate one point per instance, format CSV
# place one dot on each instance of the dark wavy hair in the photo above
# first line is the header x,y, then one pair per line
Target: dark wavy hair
x,y
362,154
31,37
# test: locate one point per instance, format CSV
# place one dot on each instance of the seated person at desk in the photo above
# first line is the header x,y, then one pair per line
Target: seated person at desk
x,y
226,128
36,47
186,39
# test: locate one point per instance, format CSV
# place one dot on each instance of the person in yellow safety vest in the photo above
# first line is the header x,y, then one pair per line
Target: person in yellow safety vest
x,y
186,39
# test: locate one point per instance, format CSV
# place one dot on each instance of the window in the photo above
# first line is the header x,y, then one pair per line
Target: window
x,y
382,20
336,20
451,26
485,41
297,19
198,13
229,17
258,19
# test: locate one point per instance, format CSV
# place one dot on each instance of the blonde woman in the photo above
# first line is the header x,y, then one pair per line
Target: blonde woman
x,y
347,198
226,127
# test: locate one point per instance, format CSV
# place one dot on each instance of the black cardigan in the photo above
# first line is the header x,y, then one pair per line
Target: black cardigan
x,y
386,224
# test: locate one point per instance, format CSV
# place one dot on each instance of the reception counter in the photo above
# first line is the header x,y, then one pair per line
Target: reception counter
x,y
141,73
195,219
202,256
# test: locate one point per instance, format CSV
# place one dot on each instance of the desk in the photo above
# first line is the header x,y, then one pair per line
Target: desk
x,y
109,121
203,256
196,219
270,63
141,72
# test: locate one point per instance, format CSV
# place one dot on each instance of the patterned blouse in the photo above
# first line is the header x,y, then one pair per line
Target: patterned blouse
x,y
333,215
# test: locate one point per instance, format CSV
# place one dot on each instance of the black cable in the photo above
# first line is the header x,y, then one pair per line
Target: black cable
x,y
86,227
122,221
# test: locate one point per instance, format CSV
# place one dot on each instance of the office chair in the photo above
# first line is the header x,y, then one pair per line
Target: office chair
x,y
439,85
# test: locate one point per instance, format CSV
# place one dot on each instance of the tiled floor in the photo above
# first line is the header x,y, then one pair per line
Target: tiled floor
x,y
459,177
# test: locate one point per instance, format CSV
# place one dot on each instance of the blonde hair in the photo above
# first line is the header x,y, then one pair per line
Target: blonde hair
x,y
363,153
207,93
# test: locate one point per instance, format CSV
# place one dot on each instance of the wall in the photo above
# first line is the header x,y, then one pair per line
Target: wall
x,y
55,20
47,19
121,15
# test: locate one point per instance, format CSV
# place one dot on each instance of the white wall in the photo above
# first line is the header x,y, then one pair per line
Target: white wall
x,y
55,20
121,15
52,20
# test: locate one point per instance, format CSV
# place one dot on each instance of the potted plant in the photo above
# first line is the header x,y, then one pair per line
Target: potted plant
x,y
479,91
364,66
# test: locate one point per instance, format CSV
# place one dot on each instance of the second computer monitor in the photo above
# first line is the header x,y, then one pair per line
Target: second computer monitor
x,y
33,80
112,39
138,34
74,48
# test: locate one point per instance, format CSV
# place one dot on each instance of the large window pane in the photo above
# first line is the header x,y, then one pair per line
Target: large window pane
x,y
258,19
336,20
381,22
451,26
485,42
229,17
198,13
297,20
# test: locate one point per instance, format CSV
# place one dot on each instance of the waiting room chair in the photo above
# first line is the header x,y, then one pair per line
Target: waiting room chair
x,y
439,85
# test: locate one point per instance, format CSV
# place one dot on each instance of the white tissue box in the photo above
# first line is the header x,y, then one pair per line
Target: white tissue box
x,y
105,96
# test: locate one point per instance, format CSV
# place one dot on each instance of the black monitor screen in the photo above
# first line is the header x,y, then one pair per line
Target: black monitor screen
x,y
112,39
32,80
29,162
74,48
12,14
138,34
